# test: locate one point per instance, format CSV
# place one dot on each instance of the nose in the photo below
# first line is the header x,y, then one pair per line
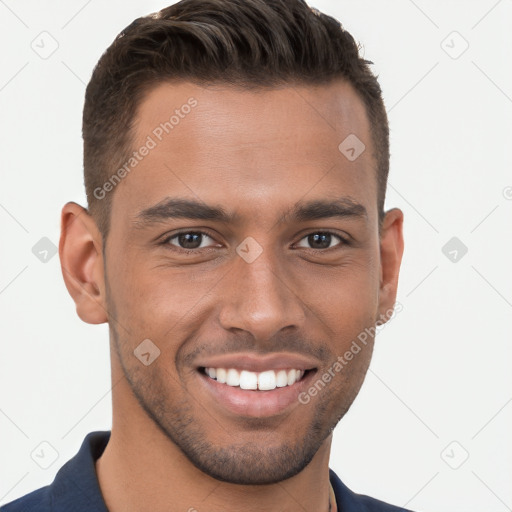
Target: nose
x,y
259,297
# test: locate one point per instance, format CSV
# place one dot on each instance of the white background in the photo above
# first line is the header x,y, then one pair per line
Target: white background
x,y
441,370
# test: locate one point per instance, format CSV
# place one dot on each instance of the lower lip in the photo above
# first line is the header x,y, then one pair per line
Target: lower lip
x,y
255,403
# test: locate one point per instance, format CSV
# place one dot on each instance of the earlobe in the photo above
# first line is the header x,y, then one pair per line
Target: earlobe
x,y
391,250
81,258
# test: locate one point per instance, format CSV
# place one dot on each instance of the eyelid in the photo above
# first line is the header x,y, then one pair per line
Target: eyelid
x,y
344,240
165,239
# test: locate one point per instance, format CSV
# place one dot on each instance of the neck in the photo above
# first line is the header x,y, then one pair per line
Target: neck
x,y
142,470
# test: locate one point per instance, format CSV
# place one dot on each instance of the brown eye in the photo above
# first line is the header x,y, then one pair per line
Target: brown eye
x,y
320,240
190,240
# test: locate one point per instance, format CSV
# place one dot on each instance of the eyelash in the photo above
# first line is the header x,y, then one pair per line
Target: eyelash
x,y
166,240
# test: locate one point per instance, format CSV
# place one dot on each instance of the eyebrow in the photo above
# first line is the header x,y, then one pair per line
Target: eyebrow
x,y
176,208
322,209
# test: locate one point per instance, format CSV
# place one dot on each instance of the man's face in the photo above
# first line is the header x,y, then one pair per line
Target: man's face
x,y
263,257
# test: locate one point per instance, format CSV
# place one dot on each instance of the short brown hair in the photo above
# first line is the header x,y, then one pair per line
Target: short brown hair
x,y
247,43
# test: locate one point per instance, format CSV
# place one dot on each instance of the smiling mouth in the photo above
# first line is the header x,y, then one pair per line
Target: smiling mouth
x,y
262,381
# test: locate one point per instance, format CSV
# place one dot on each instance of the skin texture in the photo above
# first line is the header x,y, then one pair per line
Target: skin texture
x,y
256,154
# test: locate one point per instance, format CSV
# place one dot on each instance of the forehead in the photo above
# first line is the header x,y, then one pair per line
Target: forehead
x,y
252,149
252,116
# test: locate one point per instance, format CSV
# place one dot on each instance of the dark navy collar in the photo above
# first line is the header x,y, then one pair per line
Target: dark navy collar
x,y
77,481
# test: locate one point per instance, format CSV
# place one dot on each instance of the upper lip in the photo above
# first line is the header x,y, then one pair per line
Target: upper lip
x,y
259,363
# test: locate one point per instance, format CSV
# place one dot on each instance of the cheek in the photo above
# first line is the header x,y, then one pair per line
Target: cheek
x,y
155,300
344,298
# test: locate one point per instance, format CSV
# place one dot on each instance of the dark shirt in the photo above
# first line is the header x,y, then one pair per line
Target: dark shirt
x,y
76,488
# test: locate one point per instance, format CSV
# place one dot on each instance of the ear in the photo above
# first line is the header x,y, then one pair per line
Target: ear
x,y
81,259
391,250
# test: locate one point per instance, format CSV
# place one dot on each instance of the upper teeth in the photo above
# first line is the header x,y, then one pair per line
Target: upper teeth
x,y
264,381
